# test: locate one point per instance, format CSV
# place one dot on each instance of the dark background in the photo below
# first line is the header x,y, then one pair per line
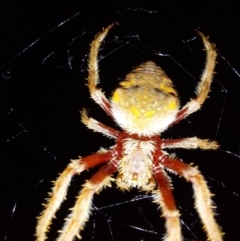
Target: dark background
x,y
44,48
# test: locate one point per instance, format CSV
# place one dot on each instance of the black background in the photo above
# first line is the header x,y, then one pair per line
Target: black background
x,y
43,62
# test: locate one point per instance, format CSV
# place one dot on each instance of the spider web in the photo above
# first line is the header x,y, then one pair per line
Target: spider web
x,y
43,71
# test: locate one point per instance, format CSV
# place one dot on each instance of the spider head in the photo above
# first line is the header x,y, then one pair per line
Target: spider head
x,y
146,102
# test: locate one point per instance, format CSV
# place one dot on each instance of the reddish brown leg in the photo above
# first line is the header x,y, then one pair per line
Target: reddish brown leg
x,y
82,209
60,188
165,198
182,114
202,195
96,159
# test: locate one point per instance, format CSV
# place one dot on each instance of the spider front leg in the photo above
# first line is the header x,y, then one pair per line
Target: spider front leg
x,y
203,87
202,195
60,187
93,76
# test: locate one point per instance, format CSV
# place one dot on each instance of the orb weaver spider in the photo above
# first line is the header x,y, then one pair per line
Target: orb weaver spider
x,y
144,105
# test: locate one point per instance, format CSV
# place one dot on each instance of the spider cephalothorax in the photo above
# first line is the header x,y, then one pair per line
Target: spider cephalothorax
x,y
144,105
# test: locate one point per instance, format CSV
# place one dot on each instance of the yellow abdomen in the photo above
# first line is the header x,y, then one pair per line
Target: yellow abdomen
x,y
146,101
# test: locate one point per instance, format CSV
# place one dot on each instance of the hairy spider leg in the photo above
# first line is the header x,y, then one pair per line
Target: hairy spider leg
x,y
82,208
98,126
93,77
60,189
203,86
202,195
190,143
164,197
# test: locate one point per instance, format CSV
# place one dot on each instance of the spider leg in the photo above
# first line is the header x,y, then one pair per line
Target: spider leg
x,y
98,126
202,195
93,76
164,197
60,187
203,86
82,209
190,143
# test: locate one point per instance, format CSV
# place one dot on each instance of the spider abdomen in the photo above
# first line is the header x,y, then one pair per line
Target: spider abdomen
x,y
145,102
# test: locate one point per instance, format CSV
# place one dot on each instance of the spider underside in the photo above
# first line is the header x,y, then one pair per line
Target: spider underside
x,y
144,105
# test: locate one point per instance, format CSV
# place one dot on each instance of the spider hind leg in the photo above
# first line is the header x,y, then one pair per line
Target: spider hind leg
x,y
164,197
82,209
59,191
202,196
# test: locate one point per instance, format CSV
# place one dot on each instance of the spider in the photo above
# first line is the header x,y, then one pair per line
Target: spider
x,y
144,105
